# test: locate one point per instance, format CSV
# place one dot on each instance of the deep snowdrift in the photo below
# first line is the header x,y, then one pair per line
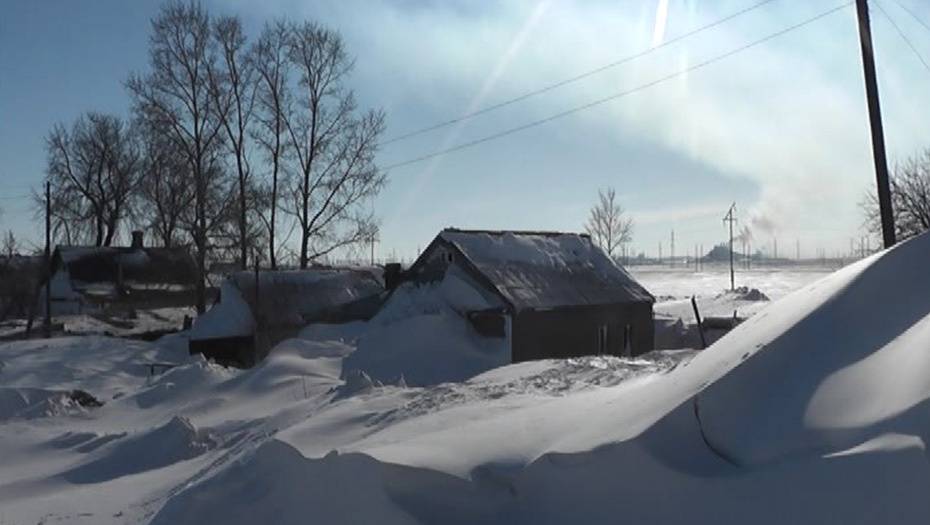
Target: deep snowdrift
x,y
422,335
813,411
835,364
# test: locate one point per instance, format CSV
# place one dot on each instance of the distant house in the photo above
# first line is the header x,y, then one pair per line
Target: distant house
x,y
556,295
246,322
86,279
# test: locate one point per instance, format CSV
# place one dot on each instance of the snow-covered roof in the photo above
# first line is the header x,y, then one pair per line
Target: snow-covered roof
x,y
546,269
298,296
90,264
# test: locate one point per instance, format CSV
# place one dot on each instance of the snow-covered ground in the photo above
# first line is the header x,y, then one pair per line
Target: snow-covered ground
x,y
673,287
814,410
142,323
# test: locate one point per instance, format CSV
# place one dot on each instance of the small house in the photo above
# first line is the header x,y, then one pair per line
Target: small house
x,y
554,295
87,279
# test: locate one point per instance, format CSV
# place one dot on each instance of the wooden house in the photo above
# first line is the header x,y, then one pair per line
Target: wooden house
x,y
555,295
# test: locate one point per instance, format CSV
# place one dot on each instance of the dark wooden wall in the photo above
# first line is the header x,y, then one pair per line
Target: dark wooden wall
x,y
574,331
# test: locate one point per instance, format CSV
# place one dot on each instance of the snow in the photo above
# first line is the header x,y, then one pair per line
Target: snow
x,y
445,347
814,410
542,270
297,297
676,326
229,317
852,345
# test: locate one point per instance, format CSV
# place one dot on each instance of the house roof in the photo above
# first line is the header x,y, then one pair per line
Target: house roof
x,y
533,269
295,297
90,264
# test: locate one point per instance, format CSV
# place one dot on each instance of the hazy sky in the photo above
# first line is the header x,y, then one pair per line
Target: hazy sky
x,y
780,128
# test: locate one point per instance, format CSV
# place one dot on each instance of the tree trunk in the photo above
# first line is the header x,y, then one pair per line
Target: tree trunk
x,y
243,224
274,206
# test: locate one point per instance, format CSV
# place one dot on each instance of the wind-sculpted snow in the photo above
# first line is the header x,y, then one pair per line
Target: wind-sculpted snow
x,y
812,411
833,365
551,378
176,440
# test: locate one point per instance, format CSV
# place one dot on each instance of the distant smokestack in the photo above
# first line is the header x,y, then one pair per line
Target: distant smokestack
x,y
137,239
392,275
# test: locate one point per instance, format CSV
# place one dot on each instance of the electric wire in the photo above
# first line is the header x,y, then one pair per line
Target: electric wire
x,y
576,78
619,95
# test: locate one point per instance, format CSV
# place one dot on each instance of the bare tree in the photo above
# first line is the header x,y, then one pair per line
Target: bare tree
x,y
165,192
178,96
269,56
910,198
608,225
93,171
235,88
333,146
10,246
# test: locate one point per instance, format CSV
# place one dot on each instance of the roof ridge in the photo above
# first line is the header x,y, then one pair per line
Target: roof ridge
x,y
543,233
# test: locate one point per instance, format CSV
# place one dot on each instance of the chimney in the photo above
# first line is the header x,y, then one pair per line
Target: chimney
x,y
137,239
392,275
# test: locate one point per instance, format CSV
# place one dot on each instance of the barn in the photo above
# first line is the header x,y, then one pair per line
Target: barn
x,y
554,295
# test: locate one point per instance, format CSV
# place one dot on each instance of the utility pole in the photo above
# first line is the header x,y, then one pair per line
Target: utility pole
x,y
875,121
48,259
671,257
797,249
660,252
729,218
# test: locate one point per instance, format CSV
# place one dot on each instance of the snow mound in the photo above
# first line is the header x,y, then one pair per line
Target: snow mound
x,y
278,485
833,365
180,384
30,403
744,293
230,317
422,334
177,440
634,480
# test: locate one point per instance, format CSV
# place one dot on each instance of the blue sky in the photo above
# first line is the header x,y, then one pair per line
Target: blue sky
x,y
780,128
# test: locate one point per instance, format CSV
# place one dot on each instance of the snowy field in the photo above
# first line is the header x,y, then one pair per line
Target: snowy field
x,y
676,326
814,410
682,283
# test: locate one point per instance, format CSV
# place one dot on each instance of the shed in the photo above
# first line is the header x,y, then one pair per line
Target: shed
x,y
247,322
558,295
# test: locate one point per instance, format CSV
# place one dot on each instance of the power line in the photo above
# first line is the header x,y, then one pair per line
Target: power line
x,y
619,95
903,36
914,15
576,78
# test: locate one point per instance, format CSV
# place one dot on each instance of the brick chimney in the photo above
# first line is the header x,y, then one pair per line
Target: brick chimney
x,y
137,239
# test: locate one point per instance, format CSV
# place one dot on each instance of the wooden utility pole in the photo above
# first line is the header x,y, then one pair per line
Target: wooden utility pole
x,y
48,259
731,219
875,121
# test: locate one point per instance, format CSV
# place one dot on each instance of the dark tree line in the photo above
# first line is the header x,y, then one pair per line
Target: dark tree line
x,y
229,143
